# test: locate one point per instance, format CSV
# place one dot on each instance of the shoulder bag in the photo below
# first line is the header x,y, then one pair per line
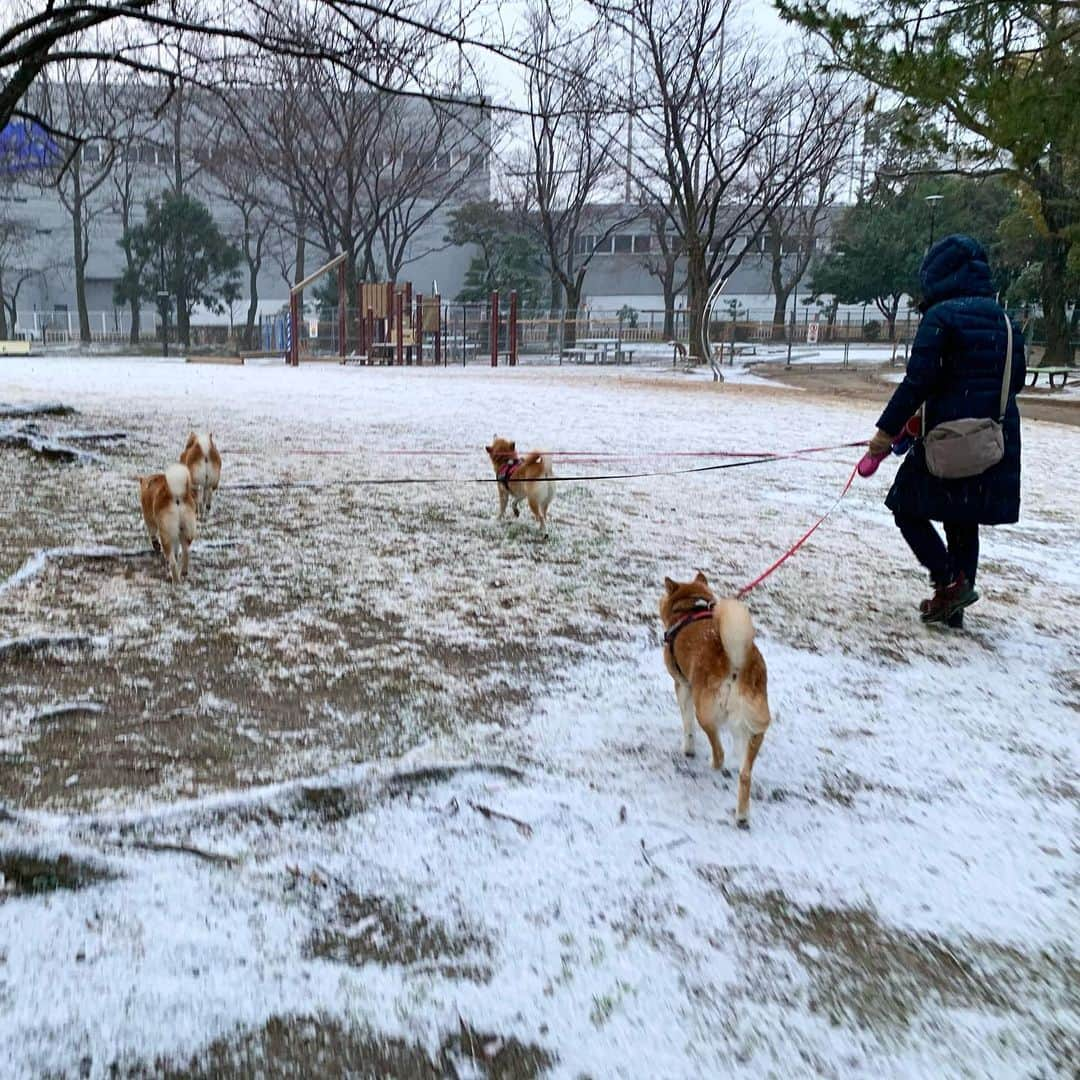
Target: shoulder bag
x,y
957,449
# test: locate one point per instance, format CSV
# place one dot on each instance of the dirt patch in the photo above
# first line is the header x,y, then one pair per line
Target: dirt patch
x,y
28,875
879,977
305,1046
379,930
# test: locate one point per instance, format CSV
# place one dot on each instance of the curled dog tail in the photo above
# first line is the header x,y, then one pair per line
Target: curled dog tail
x,y
538,458
178,478
736,630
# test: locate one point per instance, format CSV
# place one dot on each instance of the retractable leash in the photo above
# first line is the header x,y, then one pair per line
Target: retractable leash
x,y
901,445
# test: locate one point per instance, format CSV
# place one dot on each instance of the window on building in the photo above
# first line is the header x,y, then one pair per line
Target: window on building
x,y
623,244
147,154
91,153
642,244
443,163
477,161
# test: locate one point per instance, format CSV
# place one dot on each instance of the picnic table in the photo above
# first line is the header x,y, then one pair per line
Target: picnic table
x,y
1051,374
596,350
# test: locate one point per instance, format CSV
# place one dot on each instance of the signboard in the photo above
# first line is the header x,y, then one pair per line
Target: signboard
x,y
812,332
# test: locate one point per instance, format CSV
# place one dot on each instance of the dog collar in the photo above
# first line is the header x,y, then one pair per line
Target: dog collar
x,y
703,609
507,471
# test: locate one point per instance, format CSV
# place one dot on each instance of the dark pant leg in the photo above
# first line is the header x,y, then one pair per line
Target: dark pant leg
x,y
963,540
929,548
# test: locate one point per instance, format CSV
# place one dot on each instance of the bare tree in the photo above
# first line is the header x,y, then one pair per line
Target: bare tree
x,y
726,139
81,99
664,261
429,154
792,232
234,170
573,140
21,261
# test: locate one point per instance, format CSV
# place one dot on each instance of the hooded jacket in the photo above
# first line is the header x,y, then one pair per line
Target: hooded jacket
x,y
956,367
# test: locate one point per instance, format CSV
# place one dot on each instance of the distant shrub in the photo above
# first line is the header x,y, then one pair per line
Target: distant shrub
x,y
872,330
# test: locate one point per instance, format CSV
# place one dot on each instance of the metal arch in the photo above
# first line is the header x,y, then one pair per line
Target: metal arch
x,y
706,342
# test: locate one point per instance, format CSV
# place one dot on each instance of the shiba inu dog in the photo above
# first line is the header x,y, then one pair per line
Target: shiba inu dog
x,y
204,464
719,674
168,507
520,478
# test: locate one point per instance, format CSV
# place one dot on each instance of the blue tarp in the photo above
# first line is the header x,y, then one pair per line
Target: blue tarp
x,y
26,147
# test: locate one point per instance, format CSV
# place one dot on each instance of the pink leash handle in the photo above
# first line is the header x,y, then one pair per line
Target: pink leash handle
x,y
868,464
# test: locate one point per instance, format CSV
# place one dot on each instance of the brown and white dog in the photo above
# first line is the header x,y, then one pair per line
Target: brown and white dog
x,y
719,674
168,507
204,463
520,478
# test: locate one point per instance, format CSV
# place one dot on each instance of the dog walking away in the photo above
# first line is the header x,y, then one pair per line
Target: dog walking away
x,y
719,674
204,464
168,507
522,478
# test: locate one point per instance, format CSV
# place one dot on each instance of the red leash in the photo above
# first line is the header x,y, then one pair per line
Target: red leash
x,y
802,539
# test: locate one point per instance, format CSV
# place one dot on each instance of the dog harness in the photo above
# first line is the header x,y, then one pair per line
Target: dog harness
x,y
506,472
702,609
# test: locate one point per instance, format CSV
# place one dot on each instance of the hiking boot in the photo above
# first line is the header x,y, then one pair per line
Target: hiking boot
x,y
954,622
948,600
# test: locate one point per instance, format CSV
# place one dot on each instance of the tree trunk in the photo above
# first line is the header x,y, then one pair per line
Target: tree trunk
x,y
3,313
1055,319
78,242
136,321
253,303
572,291
781,291
298,274
667,283
697,283
779,318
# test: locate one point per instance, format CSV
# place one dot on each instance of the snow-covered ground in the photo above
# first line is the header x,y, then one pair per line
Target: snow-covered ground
x,y
393,788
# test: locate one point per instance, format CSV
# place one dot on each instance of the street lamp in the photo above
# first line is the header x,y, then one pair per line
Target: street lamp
x,y
933,200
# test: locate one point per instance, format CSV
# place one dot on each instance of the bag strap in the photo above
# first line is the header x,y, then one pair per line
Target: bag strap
x,y
1006,380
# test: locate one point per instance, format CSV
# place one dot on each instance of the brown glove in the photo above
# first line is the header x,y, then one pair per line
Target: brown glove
x,y
880,444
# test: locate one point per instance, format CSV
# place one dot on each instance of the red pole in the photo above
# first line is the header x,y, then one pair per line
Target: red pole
x,y
399,347
361,327
370,335
294,338
342,306
513,330
438,332
493,327
418,329
389,323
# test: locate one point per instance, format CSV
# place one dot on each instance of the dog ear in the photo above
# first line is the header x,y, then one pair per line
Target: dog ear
x,y
488,449
513,445
670,585
699,577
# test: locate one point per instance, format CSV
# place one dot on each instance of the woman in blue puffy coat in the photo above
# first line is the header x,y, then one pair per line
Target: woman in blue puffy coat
x,y
956,369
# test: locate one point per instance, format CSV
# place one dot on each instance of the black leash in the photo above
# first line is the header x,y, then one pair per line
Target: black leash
x,y
413,480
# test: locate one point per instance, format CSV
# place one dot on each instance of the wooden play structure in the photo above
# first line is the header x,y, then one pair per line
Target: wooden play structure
x,y
393,325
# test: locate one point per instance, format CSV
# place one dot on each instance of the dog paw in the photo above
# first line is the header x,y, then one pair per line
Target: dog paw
x,y
742,823
688,750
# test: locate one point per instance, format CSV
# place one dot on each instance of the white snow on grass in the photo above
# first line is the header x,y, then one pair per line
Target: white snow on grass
x,y
904,904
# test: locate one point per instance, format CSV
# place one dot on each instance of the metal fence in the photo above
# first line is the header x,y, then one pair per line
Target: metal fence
x,y
542,335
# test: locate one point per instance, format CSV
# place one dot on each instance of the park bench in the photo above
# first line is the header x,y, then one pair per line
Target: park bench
x,y
1052,373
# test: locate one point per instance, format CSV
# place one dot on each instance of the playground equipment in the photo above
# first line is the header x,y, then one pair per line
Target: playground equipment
x,y
392,324
293,328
